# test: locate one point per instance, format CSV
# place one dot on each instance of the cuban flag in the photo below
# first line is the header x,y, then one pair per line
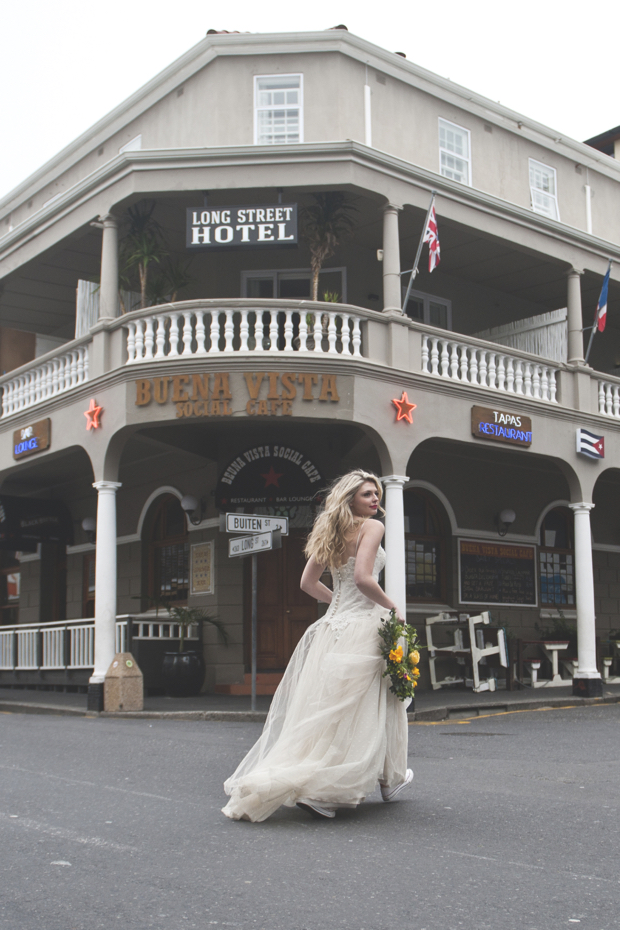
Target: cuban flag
x,y
591,445
432,237
601,307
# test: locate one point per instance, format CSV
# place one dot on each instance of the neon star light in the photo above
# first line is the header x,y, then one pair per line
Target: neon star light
x,y
404,408
92,415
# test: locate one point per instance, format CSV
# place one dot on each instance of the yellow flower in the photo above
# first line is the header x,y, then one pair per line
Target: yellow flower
x,y
415,672
414,657
396,655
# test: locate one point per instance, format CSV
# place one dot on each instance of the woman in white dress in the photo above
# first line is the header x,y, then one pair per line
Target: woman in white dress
x,y
334,729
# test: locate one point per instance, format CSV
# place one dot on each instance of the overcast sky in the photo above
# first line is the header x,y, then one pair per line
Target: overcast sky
x,y
65,64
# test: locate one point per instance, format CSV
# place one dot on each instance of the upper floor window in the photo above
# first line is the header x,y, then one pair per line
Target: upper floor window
x,y
543,189
434,311
278,109
454,152
557,559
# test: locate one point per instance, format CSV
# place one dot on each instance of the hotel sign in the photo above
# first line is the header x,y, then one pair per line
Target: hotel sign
x,y
32,439
242,227
501,426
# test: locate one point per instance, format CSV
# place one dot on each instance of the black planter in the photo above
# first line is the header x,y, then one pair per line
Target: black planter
x,y
184,673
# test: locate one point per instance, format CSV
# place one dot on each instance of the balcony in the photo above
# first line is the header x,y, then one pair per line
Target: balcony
x,y
223,329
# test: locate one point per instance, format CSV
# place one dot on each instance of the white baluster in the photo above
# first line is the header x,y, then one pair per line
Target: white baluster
x,y
318,332
616,401
303,332
187,333
244,330
492,370
552,384
80,365
510,374
131,343
259,331
425,353
445,359
74,368
482,376
454,361
601,397
528,379
434,356
356,337
139,340
473,366
161,336
37,385
544,383
273,330
519,377
288,330
229,331
536,380
214,333
174,334
464,364
200,333
501,372
149,337
331,333
609,406
49,368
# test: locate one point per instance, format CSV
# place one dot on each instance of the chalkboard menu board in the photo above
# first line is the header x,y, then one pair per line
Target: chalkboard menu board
x,y
497,573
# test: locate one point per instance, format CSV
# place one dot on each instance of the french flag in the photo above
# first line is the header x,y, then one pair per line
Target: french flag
x,y
591,445
601,307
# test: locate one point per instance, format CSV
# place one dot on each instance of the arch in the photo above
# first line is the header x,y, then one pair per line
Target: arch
x,y
427,486
164,489
545,511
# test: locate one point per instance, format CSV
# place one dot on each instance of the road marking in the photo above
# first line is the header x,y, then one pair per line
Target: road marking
x,y
87,784
501,713
63,834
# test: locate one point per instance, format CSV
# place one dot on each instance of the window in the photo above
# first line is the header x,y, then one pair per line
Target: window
x,y
556,559
88,584
294,284
169,553
9,588
278,109
454,152
434,311
543,190
424,548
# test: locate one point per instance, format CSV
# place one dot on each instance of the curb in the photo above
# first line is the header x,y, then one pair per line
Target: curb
x,y
14,707
479,710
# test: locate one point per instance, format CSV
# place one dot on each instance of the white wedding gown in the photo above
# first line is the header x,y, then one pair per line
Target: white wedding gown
x,y
334,729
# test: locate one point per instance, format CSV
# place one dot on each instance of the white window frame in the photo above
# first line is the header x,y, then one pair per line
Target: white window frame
x,y
427,299
462,129
274,274
300,106
133,145
552,199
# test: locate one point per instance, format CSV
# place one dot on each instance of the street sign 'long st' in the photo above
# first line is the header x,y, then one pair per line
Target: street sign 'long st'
x,y
250,545
251,523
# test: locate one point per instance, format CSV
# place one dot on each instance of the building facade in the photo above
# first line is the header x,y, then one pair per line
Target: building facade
x,y
144,392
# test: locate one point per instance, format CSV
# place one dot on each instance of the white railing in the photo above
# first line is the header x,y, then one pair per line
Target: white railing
x,y
609,398
469,363
204,332
46,380
46,646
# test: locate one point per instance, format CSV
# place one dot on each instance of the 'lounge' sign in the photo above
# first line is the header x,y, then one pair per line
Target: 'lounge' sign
x,y
258,226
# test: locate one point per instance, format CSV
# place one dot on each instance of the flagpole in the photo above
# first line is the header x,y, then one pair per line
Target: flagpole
x,y
414,270
594,325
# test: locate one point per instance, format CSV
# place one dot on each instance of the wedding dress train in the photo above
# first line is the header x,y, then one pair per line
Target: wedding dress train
x,y
334,729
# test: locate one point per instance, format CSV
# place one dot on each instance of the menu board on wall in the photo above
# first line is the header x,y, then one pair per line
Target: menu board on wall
x,y
497,573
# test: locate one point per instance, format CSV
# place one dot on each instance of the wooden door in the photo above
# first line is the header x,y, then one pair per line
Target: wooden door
x,y
283,610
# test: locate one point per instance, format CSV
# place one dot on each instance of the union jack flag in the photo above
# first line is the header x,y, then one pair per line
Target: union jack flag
x,y
431,236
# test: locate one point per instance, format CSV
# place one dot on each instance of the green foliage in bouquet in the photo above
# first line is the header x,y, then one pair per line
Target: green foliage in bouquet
x,y
401,665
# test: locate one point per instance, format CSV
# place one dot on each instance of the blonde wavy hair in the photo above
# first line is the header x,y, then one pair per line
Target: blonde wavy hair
x,y
328,539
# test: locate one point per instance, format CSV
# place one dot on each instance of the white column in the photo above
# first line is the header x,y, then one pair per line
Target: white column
x,y
391,259
575,318
105,579
108,289
584,584
395,571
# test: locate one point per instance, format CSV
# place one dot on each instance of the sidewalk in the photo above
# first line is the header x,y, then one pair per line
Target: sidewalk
x,y
444,704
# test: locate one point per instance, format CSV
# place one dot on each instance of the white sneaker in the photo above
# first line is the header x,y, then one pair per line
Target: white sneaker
x,y
316,809
390,794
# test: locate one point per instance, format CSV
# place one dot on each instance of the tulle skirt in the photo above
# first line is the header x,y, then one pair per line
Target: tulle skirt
x,y
333,731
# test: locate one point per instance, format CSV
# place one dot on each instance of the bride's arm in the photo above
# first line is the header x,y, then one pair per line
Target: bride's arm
x,y
311,584
364,564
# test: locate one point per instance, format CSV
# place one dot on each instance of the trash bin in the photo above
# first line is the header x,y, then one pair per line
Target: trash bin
x,y
123,687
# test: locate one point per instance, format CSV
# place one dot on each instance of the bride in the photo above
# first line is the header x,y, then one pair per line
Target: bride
x,y
334,729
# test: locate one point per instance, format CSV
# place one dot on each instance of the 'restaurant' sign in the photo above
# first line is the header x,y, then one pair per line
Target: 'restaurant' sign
x,y
31,439
501,426
242,227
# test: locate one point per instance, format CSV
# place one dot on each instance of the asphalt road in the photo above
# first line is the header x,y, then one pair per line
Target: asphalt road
x,y
512,824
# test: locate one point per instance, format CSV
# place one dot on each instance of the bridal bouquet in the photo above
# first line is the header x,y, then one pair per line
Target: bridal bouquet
x,y
401,664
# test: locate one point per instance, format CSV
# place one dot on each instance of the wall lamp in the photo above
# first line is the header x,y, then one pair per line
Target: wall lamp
x,y
504,521
193,509
89,525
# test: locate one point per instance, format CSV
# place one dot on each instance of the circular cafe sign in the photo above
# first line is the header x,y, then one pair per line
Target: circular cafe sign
x,y
269,476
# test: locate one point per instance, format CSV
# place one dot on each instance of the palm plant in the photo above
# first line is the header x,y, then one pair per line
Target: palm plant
x,y
188,616
141,246
324,224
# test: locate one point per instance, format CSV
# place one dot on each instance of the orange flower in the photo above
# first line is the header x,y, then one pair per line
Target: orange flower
x,y
416,672
396,655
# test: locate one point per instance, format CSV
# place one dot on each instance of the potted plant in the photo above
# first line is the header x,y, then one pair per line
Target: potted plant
x,y
184,671
324,223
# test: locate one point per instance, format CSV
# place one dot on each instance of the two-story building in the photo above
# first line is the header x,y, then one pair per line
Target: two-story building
x,y
164,361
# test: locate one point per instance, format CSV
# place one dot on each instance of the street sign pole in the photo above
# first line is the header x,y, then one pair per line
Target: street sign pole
x,y
254,625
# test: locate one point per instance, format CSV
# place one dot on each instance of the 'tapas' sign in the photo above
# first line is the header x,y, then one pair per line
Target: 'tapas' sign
x,y
242,227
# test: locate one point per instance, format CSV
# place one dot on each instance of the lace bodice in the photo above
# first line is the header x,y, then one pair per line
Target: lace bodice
x,y
348,602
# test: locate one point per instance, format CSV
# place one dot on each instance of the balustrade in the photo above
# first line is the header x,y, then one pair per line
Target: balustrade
x,y
46,380
609,398
467,363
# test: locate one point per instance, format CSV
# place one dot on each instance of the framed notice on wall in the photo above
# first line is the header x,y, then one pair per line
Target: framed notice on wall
x,y
497,573
201,568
